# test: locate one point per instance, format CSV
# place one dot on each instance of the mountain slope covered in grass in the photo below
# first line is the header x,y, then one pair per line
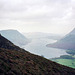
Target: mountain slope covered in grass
x,y
15,61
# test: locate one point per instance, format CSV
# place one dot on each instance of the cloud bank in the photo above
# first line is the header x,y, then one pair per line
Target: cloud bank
x,y
53,16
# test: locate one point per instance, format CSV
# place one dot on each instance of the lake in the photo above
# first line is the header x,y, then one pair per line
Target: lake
x,y
38,46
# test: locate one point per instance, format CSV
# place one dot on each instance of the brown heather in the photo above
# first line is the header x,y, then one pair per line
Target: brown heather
x,y
16,61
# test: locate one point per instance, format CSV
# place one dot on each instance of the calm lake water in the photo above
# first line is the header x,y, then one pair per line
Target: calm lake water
x,y
38,46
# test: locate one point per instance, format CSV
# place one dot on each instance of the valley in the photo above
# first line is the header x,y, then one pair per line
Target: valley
x,y
38,46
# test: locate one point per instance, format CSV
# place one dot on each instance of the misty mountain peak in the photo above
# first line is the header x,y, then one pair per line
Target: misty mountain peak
x,y
4,43
67,42
14,36
73,31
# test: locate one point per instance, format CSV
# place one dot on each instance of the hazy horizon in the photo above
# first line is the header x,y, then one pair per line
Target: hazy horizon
x,y
48,16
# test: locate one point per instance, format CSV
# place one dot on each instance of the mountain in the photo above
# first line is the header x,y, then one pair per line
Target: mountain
x,y
18,62
34,35
6,44
14,36
67,42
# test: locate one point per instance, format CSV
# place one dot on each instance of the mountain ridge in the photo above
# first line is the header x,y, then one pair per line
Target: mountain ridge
x,y
17,62
15,36
67,42
6,44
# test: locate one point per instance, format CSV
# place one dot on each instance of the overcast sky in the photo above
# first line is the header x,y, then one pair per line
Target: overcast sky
x,y
52,16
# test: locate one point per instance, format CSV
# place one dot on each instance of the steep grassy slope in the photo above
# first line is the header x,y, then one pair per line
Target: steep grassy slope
x,y
16,61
